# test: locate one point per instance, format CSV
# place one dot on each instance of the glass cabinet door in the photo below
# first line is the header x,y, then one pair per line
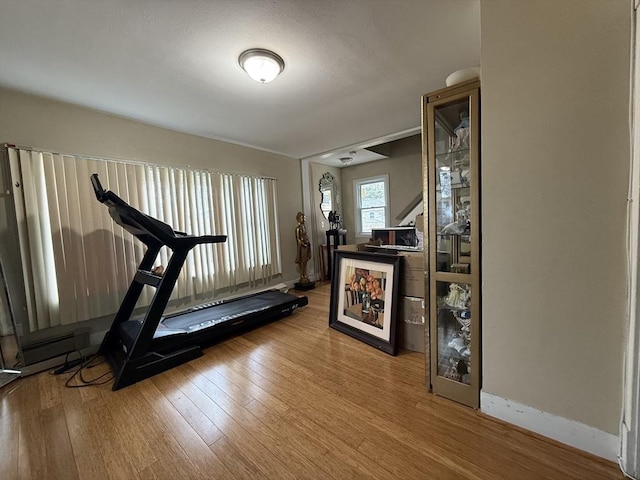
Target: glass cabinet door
x,y
452,182
451,130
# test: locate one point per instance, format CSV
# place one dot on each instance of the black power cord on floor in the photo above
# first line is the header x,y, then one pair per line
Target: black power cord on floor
x,y
80,364
92,382
68,365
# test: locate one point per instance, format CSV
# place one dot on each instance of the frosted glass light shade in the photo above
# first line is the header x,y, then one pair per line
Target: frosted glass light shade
x,y
462,75
261,65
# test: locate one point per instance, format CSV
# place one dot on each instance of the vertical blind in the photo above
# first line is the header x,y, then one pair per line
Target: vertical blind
x,y
78,263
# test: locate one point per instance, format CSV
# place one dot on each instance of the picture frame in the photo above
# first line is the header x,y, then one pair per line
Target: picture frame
x,y
365,291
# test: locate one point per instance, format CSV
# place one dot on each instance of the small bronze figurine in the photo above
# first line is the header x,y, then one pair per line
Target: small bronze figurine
x,y
303,253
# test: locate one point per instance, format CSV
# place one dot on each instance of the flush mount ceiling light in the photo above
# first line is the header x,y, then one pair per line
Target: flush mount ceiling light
x,y
347,160
260,64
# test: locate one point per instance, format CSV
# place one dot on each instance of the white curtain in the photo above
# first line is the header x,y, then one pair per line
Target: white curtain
x,y
630,424
78,262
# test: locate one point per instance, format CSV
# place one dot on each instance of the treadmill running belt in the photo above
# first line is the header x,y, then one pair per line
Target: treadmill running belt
x,y
199,318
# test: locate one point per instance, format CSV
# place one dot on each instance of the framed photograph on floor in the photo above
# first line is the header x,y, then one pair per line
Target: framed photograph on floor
x,y
365,297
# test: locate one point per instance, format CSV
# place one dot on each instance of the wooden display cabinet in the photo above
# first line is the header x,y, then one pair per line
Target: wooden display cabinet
x,y
451,166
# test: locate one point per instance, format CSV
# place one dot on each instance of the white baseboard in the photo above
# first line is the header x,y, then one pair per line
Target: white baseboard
x,y
569,432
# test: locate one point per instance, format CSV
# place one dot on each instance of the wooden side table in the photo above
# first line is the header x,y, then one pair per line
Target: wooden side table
x,y
334,238
323,262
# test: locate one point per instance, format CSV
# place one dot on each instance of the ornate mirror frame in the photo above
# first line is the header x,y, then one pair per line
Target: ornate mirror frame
x,y
328,187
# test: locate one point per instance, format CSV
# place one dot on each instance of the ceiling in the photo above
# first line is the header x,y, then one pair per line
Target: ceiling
x,y
355,69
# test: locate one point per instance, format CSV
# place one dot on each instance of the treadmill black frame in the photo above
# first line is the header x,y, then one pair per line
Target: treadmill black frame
x,y
137,360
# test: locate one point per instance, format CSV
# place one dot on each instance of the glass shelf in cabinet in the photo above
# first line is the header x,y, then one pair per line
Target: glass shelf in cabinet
x,y
444,306
459,186
456,229
464,237
461,166
458,153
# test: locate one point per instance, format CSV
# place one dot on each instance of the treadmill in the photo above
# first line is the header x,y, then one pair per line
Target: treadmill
x,y
139,349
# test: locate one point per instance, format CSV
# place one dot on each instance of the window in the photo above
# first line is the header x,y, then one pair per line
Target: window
x,y
78,262
371,199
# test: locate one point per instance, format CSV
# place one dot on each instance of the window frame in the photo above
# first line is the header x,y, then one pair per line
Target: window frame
x,y
357,183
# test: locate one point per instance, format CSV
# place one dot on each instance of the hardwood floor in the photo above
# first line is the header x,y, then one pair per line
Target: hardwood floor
x,y
293,399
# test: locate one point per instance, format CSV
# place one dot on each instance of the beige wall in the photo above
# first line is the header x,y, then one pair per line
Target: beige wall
x,y
555,154
42,123
404,167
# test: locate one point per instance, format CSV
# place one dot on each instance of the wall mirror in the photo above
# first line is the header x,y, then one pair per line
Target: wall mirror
x,y
329,191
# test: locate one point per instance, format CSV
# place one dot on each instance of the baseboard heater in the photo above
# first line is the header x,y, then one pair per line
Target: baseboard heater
x,y
55,346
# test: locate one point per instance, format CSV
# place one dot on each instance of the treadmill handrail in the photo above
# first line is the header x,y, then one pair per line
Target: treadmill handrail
x,y
142,225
